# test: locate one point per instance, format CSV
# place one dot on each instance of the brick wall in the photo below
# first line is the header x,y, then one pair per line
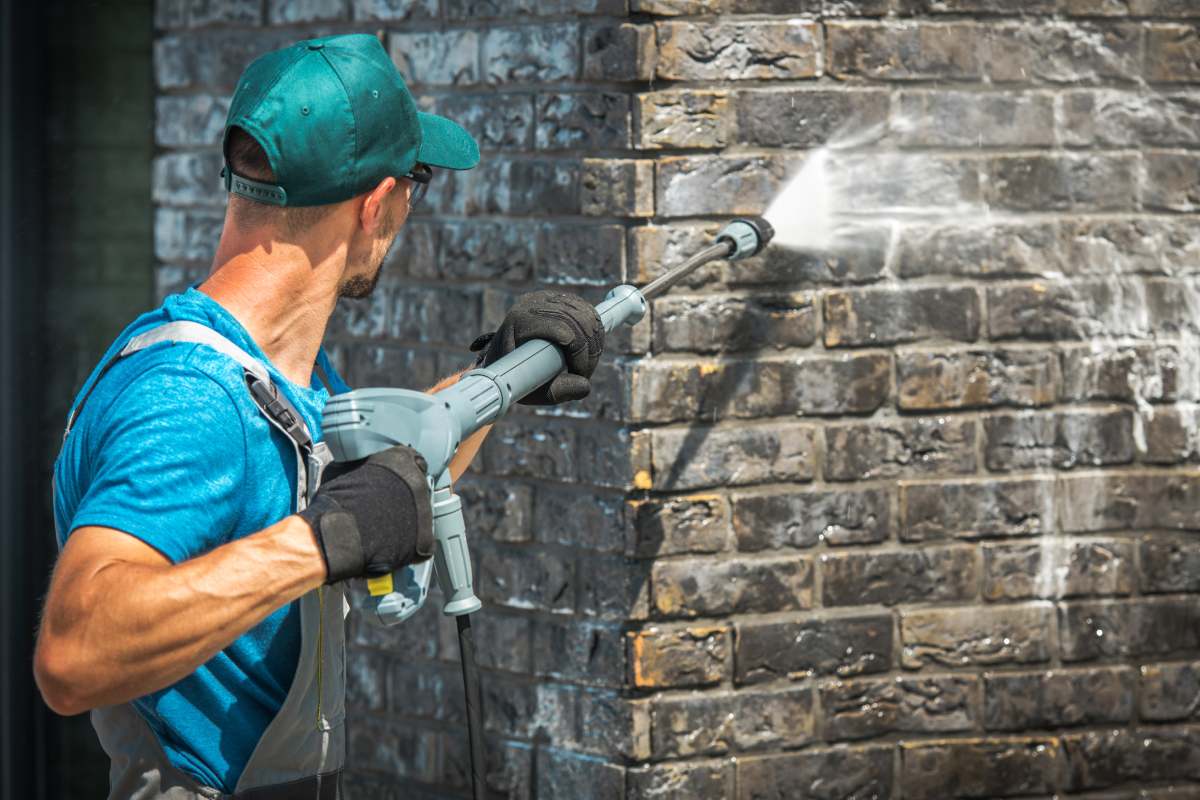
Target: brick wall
x,y
911,521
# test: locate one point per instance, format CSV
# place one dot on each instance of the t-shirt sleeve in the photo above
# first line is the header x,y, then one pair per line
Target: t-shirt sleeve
x,y
168,463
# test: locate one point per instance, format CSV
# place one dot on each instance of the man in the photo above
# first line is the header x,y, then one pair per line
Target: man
x,y
197,605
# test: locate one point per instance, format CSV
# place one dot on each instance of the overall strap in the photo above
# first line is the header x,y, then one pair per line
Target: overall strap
x,y
273,404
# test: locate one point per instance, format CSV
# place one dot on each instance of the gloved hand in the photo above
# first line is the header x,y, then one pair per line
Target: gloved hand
x,y
374,515
566,320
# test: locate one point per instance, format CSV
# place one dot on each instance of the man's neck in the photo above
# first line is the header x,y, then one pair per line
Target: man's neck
x,y
282,300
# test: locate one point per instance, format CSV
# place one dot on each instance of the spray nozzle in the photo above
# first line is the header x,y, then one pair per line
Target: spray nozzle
x,y
747,236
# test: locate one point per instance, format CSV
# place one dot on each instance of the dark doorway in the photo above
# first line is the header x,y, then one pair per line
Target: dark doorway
x,y
76,264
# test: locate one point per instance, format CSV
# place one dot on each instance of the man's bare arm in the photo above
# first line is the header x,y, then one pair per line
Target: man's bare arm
x,y
469,447
121,620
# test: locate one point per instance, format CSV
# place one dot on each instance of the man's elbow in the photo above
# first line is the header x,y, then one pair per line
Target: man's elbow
x,y
59,681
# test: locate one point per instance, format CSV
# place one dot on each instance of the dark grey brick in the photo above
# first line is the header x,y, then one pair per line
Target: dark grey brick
x,y
890,51
530,54
1120,501
519,578
579,651
577,775
1083,182
394,10
703,587
1013,701
612,726
504,510
571,255
582,121
901,576
681,119
1171,53
715,324
873,317
1123,118
286,12
615,187
976,509
1169,564
617,51
930,381
1058,568
842,646
191,121
742,49
1029,440
899,448
703,456
802,519
712,724
1087,309
798,118
862,709
568,516
679,390
1064,52
187,179
982,637
978,768
689,185
394,748
678,781
436,58
1169,692
613,588
1100,759
963,248
1152,372
1123,628
669,526
839,384
486,251
818,774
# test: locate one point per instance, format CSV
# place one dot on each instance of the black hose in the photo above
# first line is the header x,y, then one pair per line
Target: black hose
x,y
466,652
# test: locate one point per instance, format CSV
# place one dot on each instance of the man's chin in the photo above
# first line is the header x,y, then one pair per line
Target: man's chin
x,y
359,287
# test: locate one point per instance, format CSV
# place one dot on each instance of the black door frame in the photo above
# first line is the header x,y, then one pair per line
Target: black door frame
x,y
26,725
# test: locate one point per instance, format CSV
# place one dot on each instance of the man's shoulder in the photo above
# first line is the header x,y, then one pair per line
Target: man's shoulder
x,y
183,378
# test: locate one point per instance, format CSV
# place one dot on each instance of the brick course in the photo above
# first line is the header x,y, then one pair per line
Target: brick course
x,y
914,519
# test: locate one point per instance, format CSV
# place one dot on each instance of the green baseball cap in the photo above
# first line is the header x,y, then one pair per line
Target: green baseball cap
x,y
335,118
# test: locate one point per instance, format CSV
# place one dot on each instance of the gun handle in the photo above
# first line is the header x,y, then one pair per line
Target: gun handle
x,y
451,556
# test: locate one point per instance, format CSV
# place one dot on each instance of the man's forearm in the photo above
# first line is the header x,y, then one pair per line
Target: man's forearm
x,y
469,448
131,626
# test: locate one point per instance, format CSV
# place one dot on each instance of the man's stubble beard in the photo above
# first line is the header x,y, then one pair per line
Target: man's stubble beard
x,y
361,286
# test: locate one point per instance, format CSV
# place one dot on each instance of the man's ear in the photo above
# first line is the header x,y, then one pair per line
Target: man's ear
x,y
371,216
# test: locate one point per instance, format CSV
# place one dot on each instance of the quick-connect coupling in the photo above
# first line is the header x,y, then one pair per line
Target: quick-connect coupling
x,y
748,235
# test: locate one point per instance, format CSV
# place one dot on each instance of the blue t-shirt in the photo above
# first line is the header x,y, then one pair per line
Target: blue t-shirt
x,y
171,448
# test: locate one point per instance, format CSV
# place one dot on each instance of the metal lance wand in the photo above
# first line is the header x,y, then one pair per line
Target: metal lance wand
x,y
365,421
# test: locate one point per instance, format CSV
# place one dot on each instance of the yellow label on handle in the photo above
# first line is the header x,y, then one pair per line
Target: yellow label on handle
x,y
380,585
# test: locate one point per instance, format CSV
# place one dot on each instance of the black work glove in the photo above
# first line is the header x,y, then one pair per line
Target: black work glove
x,y
566,320
374,515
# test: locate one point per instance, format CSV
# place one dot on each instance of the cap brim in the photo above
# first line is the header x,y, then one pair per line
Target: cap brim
x,y
445,143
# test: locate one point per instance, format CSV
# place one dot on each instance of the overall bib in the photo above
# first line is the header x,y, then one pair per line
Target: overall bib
x,y
301,753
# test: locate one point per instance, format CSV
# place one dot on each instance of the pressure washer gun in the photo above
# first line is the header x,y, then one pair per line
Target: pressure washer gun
x,y
364,421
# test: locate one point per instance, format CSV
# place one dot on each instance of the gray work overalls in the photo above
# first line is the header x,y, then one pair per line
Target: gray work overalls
x,y
301,753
